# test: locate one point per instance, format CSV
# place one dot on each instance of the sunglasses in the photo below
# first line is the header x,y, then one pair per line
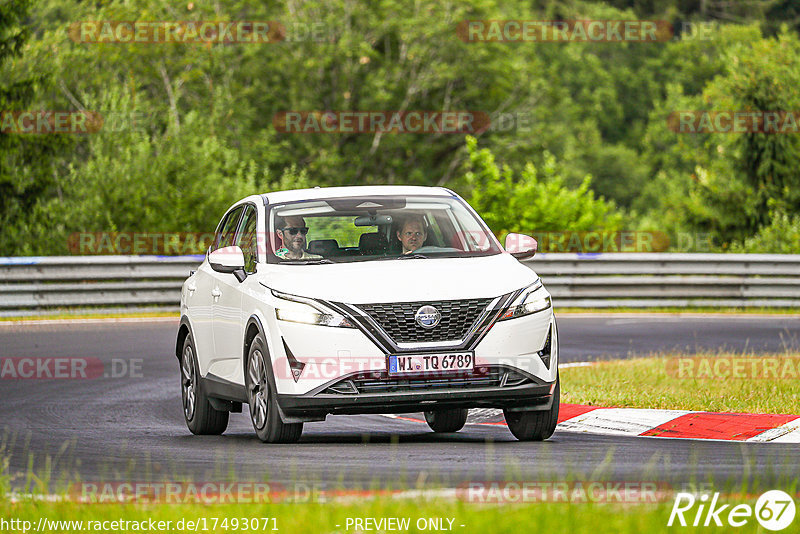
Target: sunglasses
x,y
294,229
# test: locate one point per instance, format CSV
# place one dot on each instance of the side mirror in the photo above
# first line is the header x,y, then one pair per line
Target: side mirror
x,y
228,260
521,246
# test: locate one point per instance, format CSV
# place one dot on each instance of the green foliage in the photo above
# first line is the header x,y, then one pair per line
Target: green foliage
x,y
341,229
29,164
727,183
765,76
536,201
780,236
176,180
204,136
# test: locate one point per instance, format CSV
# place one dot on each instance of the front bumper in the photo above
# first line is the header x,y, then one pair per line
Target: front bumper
x,y
530,396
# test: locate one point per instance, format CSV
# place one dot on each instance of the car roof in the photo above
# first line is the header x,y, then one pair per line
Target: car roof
x,y
321,193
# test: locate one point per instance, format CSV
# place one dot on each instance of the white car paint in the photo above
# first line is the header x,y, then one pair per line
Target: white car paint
x,y
218,306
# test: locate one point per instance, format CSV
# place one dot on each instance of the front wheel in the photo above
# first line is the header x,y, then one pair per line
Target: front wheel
x,y
447,420
535,426
263,401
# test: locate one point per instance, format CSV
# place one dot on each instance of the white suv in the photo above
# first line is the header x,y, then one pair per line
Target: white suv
x,y
353,300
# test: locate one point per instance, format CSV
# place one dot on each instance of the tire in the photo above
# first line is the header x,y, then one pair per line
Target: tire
x,y
535,426
262,399
200,416
447,420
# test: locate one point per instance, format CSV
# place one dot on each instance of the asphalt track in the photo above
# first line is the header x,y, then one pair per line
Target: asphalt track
x,y
131,428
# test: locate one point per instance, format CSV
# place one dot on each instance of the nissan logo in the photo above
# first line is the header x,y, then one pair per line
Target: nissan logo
x,y
427,317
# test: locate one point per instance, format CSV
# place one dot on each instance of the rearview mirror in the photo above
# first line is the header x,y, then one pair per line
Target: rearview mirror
x,y
228,260
373,220
521,246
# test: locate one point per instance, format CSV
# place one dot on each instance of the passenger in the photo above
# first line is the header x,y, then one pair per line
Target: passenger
x,y
413,234
293,232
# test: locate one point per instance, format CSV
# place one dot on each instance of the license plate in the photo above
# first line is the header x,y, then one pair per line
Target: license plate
x,y
412,364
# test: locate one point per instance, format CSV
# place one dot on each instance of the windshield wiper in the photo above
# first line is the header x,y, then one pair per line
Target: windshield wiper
x,y
323,261
403,257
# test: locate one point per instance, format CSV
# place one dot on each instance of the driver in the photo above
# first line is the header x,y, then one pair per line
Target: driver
x,y
292,231
413,234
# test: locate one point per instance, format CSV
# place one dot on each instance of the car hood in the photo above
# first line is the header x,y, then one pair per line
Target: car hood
x,y
402,280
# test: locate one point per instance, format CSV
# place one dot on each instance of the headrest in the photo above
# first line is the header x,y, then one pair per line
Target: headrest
x,y
374,243
324,247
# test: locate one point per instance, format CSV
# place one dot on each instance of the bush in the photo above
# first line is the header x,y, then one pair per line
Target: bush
x,y
536,201
780,236
152,177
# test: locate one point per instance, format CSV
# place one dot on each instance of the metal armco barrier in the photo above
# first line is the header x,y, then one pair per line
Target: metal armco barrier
x,y
646,280
39,284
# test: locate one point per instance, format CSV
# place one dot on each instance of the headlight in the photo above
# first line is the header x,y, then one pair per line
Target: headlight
x,y
305,311
533,300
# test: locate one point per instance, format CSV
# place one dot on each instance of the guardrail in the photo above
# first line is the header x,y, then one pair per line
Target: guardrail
x,y
39,284
647,280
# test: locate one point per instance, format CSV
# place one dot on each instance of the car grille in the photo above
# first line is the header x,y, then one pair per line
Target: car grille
x,y
381,383
397,320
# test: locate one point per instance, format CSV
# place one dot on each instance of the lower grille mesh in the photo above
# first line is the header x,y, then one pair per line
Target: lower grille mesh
x,y
381,383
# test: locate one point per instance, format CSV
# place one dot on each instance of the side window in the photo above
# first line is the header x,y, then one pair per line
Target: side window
x,y
227,231
246,238
435,237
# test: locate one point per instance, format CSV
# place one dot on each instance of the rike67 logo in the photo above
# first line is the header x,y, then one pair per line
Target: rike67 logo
x,y
774,510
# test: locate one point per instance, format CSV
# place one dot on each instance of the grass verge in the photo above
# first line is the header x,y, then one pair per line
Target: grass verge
x,y
62,315
718,383
791,311
333,518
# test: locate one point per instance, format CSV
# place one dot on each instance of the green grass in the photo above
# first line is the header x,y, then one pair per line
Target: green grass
x,y
324,518
88,314
683,309
653,383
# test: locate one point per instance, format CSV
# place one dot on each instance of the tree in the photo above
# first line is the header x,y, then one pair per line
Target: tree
x,y
29,164
727,183
535,201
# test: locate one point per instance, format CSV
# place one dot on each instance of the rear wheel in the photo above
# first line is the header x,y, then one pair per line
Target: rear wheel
x,y
263,402
447,420
535,426
201,417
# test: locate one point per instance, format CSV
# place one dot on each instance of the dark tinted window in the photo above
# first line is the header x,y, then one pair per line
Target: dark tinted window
x,y
227,230
246,239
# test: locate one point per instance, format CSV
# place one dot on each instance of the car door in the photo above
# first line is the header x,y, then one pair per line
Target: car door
x,y
229,319
221,296
200,300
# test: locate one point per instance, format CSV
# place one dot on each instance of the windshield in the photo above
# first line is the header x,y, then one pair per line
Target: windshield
x,y
354,229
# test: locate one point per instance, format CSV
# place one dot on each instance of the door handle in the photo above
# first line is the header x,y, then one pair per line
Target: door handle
x,y
216,293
